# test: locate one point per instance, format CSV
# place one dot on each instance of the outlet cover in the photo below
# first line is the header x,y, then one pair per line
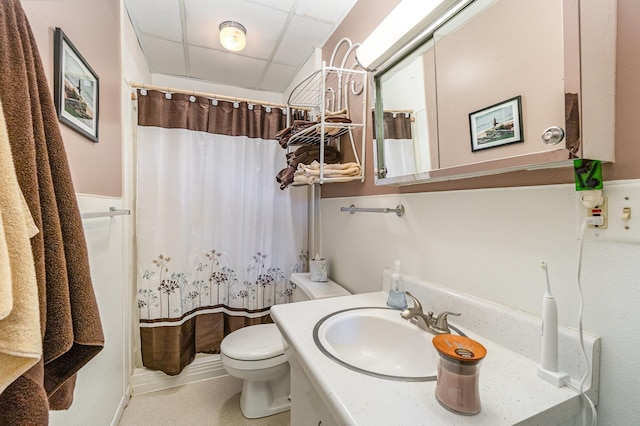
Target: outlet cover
x,y
623,214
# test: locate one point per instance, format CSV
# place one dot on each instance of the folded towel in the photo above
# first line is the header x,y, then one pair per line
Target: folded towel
x,y
311,180
308,153
344,113
20,341
301,179
352,171
340,166
337,120
329,170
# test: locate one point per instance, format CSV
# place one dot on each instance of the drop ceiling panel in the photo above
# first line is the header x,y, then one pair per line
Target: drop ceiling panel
x,y
284,5
160,18
233,70
165,57
300,38
280,33
263,24
278,77
320,10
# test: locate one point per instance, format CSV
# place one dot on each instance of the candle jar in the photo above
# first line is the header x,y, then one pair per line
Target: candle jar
x,y
458,373
318,269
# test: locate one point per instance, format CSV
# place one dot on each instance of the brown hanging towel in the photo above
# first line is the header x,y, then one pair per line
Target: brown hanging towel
x,y
71,329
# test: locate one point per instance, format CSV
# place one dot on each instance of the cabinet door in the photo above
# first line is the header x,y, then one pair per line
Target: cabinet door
x,y
307,409
499,53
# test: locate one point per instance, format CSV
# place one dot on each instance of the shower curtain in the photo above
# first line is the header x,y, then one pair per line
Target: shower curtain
x,y
216,238
399,154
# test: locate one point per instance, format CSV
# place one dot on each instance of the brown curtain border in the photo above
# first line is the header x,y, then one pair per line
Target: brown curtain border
x,y
206,308
398,127
198,113
171,348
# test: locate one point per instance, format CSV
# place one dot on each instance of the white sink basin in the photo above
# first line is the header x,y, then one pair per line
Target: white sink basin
x,y
377,342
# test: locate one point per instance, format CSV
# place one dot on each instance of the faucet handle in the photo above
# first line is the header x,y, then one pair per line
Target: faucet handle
x,y
416,302
441,321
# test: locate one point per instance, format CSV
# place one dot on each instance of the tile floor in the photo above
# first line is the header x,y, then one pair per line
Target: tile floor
x,y
209,403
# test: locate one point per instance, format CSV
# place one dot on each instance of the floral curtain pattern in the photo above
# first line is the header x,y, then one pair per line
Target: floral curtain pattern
x,y
165,293
216,238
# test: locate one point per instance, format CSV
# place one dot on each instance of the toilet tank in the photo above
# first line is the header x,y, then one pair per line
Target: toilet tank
x,y
305,289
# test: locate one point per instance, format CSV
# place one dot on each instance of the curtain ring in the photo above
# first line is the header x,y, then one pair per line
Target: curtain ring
x,y
250,106
236,104
143,91
167,95
214,102
407,115
267,108
395,115
192,98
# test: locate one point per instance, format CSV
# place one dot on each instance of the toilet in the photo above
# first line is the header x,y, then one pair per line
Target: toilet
x,y
255,354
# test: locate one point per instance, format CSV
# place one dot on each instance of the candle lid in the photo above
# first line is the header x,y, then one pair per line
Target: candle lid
x,y
459,348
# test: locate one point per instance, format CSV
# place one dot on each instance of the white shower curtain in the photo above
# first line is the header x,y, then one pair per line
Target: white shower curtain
x,y
215,236
398,154
399,157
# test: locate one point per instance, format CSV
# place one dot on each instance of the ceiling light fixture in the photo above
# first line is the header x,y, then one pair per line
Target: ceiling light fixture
x,y
233,36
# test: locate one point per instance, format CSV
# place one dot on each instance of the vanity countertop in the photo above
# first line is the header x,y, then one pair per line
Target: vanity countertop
x,y
510,390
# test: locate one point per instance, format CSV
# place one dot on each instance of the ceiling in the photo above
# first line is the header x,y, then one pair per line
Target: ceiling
x,y
180,37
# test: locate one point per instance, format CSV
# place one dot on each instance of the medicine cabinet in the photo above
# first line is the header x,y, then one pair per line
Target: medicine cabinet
x,y
498,86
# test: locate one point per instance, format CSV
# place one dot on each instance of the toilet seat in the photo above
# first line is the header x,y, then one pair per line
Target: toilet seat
x,y
256,346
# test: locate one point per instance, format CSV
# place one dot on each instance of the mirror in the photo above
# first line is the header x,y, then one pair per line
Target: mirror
x,y
489,90
408,143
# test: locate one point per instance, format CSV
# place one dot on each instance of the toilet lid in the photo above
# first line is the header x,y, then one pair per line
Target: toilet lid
x,y
253,343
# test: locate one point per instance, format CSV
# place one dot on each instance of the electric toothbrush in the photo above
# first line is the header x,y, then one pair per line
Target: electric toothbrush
x,y
548,368
549,359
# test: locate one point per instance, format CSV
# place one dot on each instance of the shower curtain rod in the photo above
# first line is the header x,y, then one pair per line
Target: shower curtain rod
x,y
410,111
207,95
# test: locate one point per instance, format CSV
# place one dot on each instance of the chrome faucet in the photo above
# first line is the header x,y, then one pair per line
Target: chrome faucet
x,y
427,322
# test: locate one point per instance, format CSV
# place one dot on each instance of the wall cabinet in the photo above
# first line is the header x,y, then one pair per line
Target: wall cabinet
x,y
562,74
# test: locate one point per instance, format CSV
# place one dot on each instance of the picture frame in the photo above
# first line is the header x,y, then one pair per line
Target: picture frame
x,y
76,88
497,125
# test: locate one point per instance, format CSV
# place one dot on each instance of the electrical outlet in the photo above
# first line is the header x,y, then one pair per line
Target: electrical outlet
x,y
622,214
599,210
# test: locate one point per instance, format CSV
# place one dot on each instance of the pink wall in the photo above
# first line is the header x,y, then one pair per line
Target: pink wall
x,y
94,28
478,67
363,19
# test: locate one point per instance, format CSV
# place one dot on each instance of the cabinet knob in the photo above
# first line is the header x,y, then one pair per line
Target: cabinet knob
x,y
553,135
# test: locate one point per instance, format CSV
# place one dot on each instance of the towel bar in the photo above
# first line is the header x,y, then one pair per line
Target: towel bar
x,y
112,212
399,210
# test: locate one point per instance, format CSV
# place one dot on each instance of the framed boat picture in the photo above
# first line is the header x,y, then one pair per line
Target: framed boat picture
x,y
497,125
76,88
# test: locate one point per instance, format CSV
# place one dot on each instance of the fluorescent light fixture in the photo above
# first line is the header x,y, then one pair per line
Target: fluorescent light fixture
x,y
405,23
233,36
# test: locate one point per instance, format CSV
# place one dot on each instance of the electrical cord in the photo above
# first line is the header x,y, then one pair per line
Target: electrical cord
x,y
580,388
